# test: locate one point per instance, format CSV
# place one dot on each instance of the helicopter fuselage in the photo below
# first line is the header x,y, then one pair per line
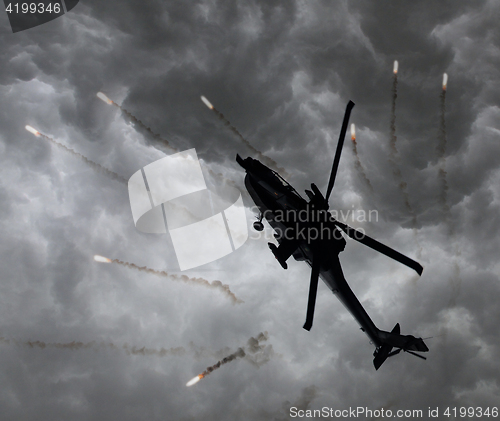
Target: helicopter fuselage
x,y
306,231
295,219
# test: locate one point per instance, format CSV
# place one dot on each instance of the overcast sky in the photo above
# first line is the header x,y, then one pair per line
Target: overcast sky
x,y
282,73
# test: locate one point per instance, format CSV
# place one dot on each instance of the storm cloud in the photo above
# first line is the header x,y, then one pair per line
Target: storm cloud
x,y
282,73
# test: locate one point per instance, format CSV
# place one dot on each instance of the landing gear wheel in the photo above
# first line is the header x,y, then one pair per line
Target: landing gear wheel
x,y
258,226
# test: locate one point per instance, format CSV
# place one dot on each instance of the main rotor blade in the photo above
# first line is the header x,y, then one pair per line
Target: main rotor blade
x,y
416,355
313,290
381,248
340,143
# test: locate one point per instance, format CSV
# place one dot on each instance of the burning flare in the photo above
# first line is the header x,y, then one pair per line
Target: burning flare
x,y
102,259
238,354
207,102
195,380
32,130
396,64
353,132
445,81
257,355
103,97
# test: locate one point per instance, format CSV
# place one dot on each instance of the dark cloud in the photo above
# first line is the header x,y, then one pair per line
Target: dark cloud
x,y
281,72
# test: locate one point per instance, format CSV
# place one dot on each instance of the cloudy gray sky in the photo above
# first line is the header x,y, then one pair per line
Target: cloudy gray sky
x,y
281,72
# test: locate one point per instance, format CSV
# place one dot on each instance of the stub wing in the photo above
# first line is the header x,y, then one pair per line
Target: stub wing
x,y
284,250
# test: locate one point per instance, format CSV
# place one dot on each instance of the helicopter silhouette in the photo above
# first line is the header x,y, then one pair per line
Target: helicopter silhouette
x,y
308,232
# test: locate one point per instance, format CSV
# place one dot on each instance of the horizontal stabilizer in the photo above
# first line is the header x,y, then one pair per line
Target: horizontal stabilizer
x,y
405,342
394,339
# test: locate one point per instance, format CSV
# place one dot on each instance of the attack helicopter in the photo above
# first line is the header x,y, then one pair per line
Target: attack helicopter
x,y
306,230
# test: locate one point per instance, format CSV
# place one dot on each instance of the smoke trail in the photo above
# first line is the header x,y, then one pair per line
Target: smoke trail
x,y
456,279
238,354
76,345
394,153
357,163
259,354
254,343
152,351
456,282
225,360
96,167
394,158
200,281
393,140
264,158
254,348
135,120
441,149
268,161
155,136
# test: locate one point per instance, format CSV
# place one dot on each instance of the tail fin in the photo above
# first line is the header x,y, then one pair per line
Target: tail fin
x,y
394,339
